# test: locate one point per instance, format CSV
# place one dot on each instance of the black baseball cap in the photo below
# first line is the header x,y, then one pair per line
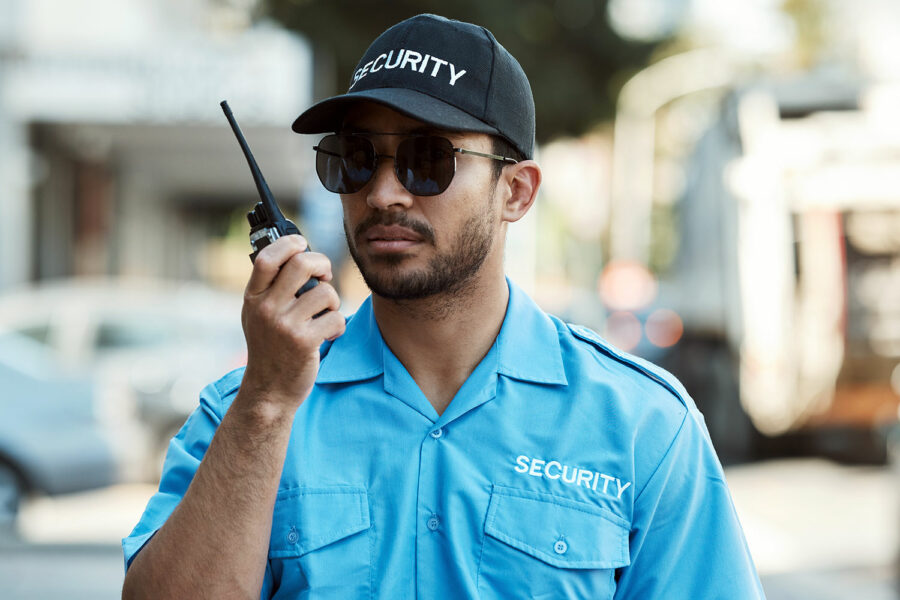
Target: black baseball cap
x,y
449,74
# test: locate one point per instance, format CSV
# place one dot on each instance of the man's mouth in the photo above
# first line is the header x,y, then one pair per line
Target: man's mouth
x,y
391,238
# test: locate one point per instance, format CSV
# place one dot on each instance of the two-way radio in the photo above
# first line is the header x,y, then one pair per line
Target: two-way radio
x,y
267,222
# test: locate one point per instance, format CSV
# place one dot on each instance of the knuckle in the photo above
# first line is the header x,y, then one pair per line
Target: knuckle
x,y
333,296
297,260
266,310
264,261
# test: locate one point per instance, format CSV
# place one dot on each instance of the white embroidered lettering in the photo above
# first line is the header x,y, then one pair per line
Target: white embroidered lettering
x,y
376,68
387,63
437,65
410,59
547,470
402,59
584,478
424,63
606,480
454,75
571,475
522,461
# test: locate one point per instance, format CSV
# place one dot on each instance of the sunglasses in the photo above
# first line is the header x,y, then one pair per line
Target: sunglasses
x,y
424,164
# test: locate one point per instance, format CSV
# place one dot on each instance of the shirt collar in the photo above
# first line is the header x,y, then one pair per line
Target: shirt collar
x,y
357,353
528,345
529,342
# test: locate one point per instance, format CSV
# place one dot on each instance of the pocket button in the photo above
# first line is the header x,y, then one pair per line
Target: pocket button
x,y
560,547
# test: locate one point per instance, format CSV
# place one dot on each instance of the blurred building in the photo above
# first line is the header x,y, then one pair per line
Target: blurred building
x,y
115,157
785,201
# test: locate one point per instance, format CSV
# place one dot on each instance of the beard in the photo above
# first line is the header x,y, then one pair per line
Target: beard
x,y
446,273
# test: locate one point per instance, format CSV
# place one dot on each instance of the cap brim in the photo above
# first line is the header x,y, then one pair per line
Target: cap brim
x,y
328,115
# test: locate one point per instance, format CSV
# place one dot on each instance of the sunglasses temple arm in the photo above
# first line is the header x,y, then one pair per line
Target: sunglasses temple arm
x,y
505,159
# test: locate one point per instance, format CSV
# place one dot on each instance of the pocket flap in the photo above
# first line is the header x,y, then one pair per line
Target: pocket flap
x,y
305,519
558,531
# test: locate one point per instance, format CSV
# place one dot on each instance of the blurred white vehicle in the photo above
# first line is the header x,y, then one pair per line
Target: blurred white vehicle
x,y
51,441
151,346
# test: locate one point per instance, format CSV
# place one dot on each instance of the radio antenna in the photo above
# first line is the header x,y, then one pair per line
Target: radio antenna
x,y
261,186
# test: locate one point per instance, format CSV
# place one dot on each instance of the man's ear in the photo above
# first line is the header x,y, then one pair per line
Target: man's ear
x,y
520,186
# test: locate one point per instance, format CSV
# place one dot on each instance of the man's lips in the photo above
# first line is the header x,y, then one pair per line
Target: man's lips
x,y
391,237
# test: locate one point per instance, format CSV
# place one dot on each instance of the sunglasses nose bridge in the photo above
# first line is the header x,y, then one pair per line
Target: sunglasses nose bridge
x,y
385,189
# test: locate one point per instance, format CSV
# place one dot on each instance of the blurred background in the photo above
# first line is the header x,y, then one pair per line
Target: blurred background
x,y
721,196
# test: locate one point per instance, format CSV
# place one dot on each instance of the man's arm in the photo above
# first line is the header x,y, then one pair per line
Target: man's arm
x,y
215,542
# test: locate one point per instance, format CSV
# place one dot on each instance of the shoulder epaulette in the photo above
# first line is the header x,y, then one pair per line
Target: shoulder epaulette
x,y
635,363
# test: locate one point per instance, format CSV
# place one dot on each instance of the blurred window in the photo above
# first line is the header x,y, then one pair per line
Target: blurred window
x,y
39,333
138,331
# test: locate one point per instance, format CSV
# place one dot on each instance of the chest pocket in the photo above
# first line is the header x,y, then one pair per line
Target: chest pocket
x,y
539,545
320,544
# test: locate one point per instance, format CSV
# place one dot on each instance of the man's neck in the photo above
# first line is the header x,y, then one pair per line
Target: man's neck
x,y
440,340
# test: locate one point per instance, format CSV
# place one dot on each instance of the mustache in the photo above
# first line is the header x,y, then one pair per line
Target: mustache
x,y
395,218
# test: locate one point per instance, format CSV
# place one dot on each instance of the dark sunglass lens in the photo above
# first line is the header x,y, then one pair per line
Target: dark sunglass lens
x,y
345,163
425,164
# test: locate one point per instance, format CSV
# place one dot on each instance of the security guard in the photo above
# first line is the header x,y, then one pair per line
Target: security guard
x,y
449,440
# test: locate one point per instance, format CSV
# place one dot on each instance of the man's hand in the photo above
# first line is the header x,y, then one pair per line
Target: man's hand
x,y
283,332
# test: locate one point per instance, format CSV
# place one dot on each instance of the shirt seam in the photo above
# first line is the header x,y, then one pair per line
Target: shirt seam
x,y
624,360
665,455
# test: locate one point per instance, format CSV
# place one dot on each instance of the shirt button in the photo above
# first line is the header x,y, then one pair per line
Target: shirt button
x,y
437,433
433,523
560,547
293,536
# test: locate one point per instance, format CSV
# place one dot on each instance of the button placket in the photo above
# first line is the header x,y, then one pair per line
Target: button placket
x,y
431,522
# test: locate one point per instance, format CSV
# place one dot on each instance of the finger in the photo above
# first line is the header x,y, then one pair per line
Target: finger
x,y
322,298
297,270
269,261
329,326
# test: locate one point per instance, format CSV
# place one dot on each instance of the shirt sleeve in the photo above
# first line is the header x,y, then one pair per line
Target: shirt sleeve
x,y
686,540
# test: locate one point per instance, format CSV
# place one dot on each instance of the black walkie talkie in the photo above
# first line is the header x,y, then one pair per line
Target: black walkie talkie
x,y
267,223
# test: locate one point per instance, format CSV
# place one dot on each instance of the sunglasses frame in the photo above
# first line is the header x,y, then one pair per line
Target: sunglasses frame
x,y
366,136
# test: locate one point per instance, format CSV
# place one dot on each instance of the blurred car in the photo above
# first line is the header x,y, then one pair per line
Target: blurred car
x,y
50,438
151,346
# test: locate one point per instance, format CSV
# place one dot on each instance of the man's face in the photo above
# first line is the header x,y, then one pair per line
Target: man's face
x,y
409,247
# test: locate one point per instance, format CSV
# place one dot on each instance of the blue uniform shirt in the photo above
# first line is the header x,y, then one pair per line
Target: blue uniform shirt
x,y
561,469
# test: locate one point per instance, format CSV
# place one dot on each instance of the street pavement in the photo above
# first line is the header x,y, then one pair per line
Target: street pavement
x,y
817,531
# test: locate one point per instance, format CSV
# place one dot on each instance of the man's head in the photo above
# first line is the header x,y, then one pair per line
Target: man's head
x,y
426,194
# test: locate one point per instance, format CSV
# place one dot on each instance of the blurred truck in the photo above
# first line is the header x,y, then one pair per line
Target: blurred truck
x,y
787,276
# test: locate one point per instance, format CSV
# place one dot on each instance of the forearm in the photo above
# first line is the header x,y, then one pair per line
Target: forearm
x,y
215,543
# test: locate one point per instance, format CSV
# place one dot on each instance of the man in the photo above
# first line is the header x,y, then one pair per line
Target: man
x,y
451,440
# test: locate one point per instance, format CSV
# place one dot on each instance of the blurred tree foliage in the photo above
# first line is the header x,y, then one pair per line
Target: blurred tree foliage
x,y
575,61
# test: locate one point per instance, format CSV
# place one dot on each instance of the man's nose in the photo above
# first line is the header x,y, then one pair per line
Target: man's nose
x,y
385,190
